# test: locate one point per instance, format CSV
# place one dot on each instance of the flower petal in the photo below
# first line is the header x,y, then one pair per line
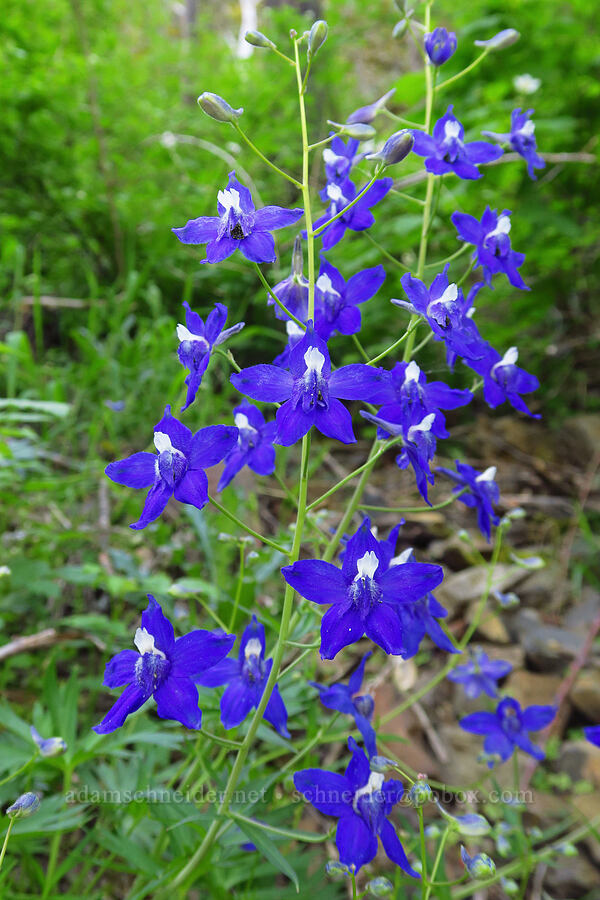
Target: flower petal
x,y
383,626
480,723
356,843
120,669
259,247
394,849
130,700
329,793
219,674
177,698
156,623
276,713
335,422
198,231
317,580
236,703
193,489
356,382
199,650
536,717
271,217
178,433
267,383
292,424
410,581
156,500
221,249
210,445
136,471
341,625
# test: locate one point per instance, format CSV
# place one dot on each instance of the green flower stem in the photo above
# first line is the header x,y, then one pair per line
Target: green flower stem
x,y
424,342
408,122
466,274
54,851
393,346
228,355
385,253
281,306
436,862
5,844
367,468
268,162
413,509
248,530
442,262
469,68
306,836
20,769
407,197
360,348
423,853
322,143
238,588
287,58
224,742
368,464
339,214
305,187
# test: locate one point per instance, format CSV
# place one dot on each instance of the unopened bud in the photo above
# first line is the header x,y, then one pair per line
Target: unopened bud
x,y
348,129
317,37
567,849
380,887
480,866
48,747
218,108
419,794
381,764
258,39
337,869
396,148
24,806
400,28
501,40
471,824
509,886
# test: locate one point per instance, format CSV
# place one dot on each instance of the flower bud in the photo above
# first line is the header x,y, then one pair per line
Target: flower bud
x,y
472,824
432,831
509,886
48,747
297,258
380,887
381,764
566,849
396,148
359,131
218,108
501,40
419,794
336,869
24,806
258,39
400,28
364,115
506,601
440,45
317,37
480,866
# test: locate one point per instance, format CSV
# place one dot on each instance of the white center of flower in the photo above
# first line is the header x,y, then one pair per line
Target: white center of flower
x,y
412,372
324,284
293,330
451,130
230,199
366,566
334,192
144,641
528,129
314,360
252,648
503,227
241,421
329,157
162,442
373,785
184,334
424,425
488,475
402,558
449,295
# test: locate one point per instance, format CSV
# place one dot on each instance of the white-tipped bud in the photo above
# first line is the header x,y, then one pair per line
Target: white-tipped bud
x,y
317,37
218,108
501,40
353,130
258,39
396,148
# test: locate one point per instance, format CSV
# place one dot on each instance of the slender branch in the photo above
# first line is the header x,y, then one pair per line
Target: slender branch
x,y
262,156
469,68
247,529
341,212
21,769
281,306
442,262
412,509
396,344
385,253
367,465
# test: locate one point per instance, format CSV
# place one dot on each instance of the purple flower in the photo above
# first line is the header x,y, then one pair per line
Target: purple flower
x,y
480,674
254,444
239,226
362,801
346,698
493,251
446,151
366,114
336,301
593,734
164,668
177,468
440,45
481,493
293,290
503,379
48,747
407,386
363,595
295,335
507,728
466,311
522,140
310,392
339,158
196,341
246,678
358,218
443,306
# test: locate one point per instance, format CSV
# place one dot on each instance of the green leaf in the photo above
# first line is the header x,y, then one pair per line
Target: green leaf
x,y
50,407
266,846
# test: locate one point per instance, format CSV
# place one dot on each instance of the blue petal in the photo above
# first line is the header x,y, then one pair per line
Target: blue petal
x,y
317,580
364,285
179,434
156,623
259,247
410,581
337,697
340,626
193,489
358,769
394,849
130,700
264,382
198,231
199,650
210,445
480,723
136,471
329,793
219,674
177,698
356,382
276,713
254,631
270,218
368,734
356,679
156,500
536,717
335,422
356,843
215,321
120,669
234,463
220,249
236,703
292,423
384,628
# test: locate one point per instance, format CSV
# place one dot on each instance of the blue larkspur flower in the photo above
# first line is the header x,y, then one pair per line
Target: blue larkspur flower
x,y
443,306
480,866
365,114
177,469
163,667
358,218
446,151
363,595
503,379
246,678
493,251
293,290
480,674
309,392
592,734
362,801
522,140
254,446
294,335
48,747
477,490
339,159
440,45
196,342
506,729
239,226
337,301
346,698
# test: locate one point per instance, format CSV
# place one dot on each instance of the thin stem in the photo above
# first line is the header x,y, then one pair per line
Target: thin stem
x,y
247,529
262,156
442,262
385,253
368,464
354,891
408,122
407,197
287,58
281,306
423,853
20,770
284,832
305,187
360,348
322,143
341,212
412,509
238,589
436,862
5,844
224,742
353,505
466,273
469,68
393,346
228,355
